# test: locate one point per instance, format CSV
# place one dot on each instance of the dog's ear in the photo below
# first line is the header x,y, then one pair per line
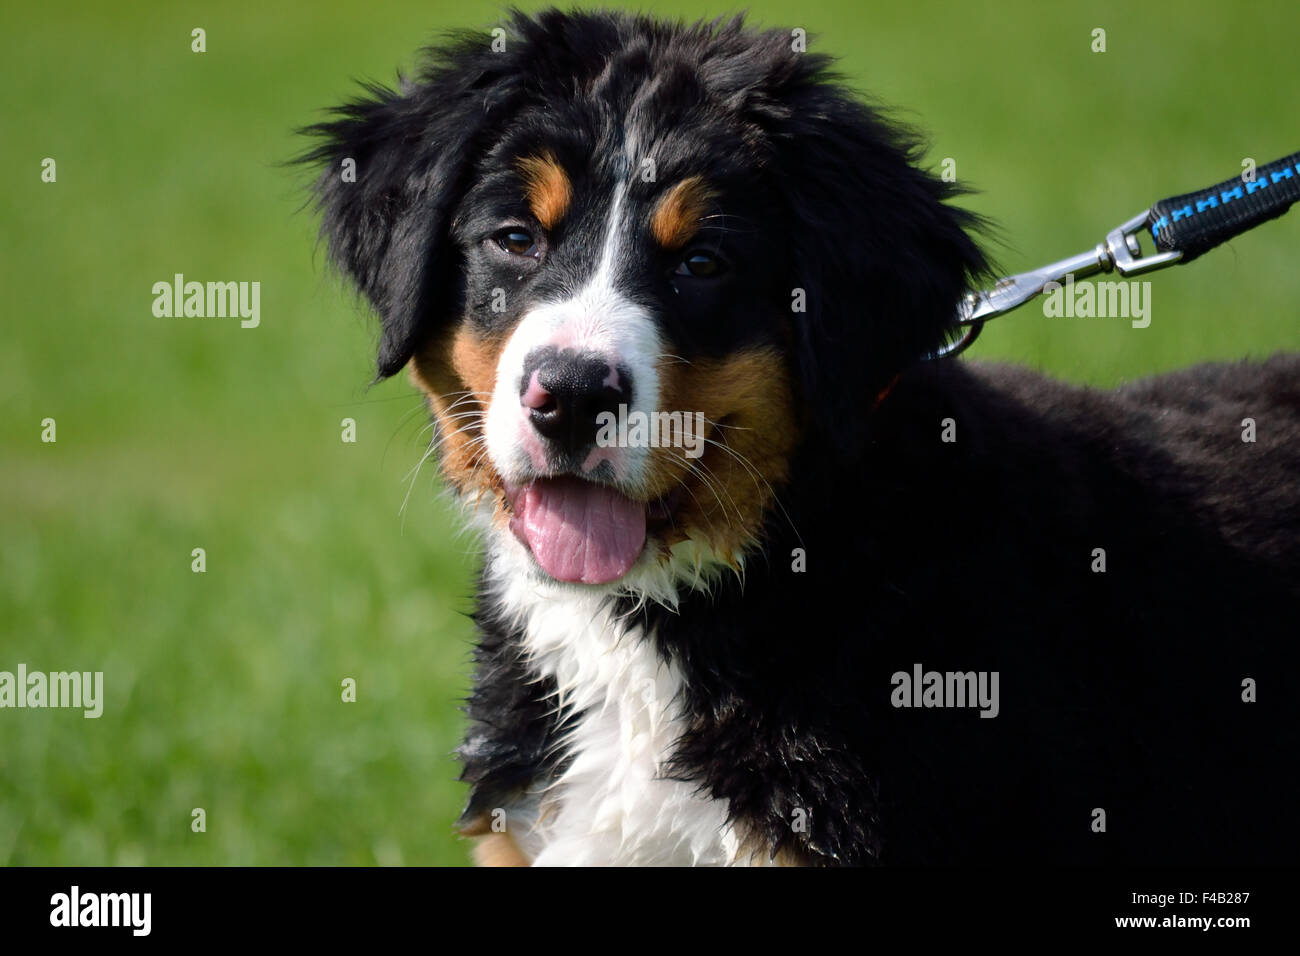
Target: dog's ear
x,y
395,164
883,259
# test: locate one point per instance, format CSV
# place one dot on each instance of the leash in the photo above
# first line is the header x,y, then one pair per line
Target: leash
x,y
1183,228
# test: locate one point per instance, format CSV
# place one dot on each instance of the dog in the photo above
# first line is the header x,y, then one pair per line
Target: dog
x,y
764,582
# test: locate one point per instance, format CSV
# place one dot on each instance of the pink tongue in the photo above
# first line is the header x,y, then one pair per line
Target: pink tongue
x,y
580,531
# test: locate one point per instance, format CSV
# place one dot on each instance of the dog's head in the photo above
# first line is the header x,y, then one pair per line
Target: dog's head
x,y
637,267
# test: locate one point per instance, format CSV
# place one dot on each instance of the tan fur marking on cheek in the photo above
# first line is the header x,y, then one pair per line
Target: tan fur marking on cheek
x,y
676,217
458,373
547,187
478,826
750,394
475,362
499,849
492,848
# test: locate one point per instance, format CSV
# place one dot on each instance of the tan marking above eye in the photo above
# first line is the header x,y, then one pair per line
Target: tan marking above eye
x,y
547,188
676,217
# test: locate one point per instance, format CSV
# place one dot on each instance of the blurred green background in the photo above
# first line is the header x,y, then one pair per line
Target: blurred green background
x,y
223,688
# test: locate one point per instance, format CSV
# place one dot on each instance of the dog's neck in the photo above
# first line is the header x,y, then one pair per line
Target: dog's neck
x,y
611,802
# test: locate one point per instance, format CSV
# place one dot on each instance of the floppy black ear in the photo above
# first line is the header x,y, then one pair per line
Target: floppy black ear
x,y
882,257
411,149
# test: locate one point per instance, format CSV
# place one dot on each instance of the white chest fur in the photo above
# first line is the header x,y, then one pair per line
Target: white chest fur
x,y
612,806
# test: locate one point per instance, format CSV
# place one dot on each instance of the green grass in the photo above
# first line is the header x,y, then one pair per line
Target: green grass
x,y
223,688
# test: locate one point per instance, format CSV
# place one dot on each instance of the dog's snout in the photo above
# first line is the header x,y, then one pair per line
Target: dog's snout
x,y
565,392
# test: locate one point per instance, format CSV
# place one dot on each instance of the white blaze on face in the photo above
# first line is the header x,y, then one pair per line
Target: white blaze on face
x,y
599,319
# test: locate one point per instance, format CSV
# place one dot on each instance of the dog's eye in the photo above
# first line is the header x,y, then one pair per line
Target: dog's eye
x,y
517,242
702,265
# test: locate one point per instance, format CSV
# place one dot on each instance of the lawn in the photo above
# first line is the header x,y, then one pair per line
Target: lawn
x,y
328,560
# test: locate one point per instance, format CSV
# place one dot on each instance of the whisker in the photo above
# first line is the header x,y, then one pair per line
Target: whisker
x,y
757,476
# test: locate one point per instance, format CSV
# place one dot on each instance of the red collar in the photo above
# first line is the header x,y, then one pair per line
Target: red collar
x,y
884,392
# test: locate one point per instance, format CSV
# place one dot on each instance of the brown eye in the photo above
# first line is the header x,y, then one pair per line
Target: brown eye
x,y
701,265
517,242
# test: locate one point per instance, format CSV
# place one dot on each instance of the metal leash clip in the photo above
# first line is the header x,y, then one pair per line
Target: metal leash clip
x,y
1121,252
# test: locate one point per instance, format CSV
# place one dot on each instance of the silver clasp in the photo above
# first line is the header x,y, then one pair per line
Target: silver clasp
x,y
1121,252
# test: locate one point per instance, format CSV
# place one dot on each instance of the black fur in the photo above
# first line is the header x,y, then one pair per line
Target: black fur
x,y
514,731
1119,690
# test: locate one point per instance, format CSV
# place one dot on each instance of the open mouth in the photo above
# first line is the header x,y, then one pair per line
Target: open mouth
x,y
581,531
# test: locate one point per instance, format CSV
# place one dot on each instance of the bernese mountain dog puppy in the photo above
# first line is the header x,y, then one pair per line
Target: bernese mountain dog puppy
x,y
761,585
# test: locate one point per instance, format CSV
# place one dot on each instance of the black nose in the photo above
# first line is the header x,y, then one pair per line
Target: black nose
x,y
565,392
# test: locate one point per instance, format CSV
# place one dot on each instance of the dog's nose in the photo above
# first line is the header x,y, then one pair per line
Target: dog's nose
x,y
566,391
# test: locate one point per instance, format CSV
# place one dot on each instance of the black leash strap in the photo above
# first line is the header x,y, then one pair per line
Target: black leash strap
x,y
1195,223
1183,228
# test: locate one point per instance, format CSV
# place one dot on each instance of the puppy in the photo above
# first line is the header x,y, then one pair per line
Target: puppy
x,y
761,583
